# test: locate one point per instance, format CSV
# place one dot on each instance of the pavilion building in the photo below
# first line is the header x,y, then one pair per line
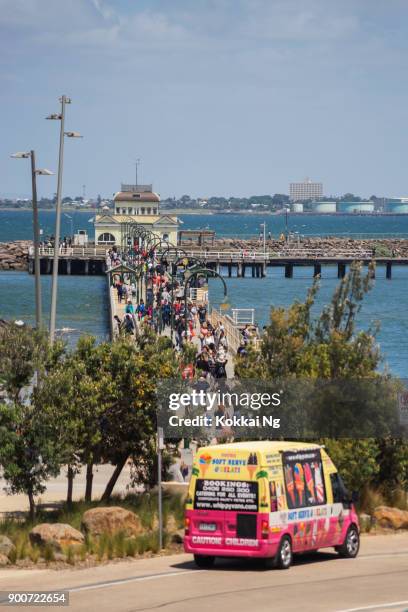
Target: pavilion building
x,y
137,204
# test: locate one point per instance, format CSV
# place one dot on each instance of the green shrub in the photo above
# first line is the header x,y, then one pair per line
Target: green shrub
x,y
102,546
90,545
119,544
22,544
142,544
49,554
110,547
71,555
13,556
398,498
131,547
370,499
34,554
83,551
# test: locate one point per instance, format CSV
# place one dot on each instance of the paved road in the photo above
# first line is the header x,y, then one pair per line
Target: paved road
x,y
376,580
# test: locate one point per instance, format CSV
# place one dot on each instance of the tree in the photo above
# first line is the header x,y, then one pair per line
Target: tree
x,y
101,402
345,387
327,346
28,453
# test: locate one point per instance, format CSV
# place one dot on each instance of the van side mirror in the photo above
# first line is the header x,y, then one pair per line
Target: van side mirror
x,y
355,497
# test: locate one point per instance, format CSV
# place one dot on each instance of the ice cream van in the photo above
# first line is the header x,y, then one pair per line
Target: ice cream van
x,y
267,500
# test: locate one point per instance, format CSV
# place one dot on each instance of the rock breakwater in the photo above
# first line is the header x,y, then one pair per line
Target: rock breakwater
x,y
14,255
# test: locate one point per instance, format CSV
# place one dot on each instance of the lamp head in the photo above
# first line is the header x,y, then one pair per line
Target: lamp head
x,y
44,172
21,155
54,116
73,134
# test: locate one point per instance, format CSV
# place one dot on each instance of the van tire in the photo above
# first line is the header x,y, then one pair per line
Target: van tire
x,y
204,561
351,545
284,556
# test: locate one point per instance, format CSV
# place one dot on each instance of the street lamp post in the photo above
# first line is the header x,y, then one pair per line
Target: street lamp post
x,y
54,291
36,230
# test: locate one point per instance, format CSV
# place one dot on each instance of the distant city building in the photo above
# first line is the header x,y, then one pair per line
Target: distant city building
x,y
297,207
134,204
307,190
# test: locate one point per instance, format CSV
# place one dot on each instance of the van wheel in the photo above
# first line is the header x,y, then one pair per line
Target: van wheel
x,y
351,545
284,556
204,561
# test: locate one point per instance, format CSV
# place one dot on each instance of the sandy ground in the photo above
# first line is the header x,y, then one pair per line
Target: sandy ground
x,y
57,489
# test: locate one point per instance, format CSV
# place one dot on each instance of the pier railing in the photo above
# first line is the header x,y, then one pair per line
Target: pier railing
x,y
229,256
265,256
243,316
233,328
74,251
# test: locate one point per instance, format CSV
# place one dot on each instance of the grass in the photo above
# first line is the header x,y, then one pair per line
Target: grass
x,y
49,554
370,499
399,499
106,546
70,555
131,547
119,544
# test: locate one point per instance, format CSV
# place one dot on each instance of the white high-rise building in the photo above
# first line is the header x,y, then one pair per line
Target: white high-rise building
x,y
307,190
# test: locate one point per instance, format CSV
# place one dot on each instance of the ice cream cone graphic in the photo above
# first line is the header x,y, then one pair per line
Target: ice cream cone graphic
x,y
299,483
205,462
289,484
251,469
252,465
319,483
204,469
309,482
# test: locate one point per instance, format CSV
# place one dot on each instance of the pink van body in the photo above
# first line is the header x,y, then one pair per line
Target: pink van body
x,y
306,534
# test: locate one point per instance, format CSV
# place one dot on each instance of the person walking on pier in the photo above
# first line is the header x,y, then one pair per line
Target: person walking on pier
x,y
128,324
120,292
141,310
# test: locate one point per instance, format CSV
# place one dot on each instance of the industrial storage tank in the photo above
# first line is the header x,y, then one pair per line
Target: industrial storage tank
x,y
355,207
397,206
297,207
324,207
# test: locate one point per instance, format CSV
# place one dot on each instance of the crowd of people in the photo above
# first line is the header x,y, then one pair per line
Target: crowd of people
x,y
64,243
165,310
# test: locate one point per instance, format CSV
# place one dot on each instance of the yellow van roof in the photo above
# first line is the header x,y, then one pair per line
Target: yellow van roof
x,y
262,446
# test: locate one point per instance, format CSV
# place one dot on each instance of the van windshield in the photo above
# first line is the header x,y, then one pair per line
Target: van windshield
x,y
235,495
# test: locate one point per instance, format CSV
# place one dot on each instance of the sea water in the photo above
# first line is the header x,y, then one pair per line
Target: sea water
x,y
82,301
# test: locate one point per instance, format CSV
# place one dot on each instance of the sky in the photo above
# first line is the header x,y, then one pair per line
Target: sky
x,y
216,97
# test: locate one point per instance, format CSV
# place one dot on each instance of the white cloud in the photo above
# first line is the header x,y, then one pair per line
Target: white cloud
x,y
299,21
104,10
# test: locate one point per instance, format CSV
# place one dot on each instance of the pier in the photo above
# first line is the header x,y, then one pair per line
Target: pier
x,y
76,260
237,263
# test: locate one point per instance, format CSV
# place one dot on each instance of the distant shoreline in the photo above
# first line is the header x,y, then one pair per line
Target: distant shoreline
x,y
90,210
226,212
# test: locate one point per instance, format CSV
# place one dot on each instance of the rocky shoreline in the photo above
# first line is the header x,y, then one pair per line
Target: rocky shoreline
x,y
14,255
384,247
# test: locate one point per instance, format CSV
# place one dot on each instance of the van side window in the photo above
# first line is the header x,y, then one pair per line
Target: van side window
x,y
338,488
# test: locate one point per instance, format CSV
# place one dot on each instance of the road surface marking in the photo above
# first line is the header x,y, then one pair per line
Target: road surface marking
x,y
109,583
394,604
